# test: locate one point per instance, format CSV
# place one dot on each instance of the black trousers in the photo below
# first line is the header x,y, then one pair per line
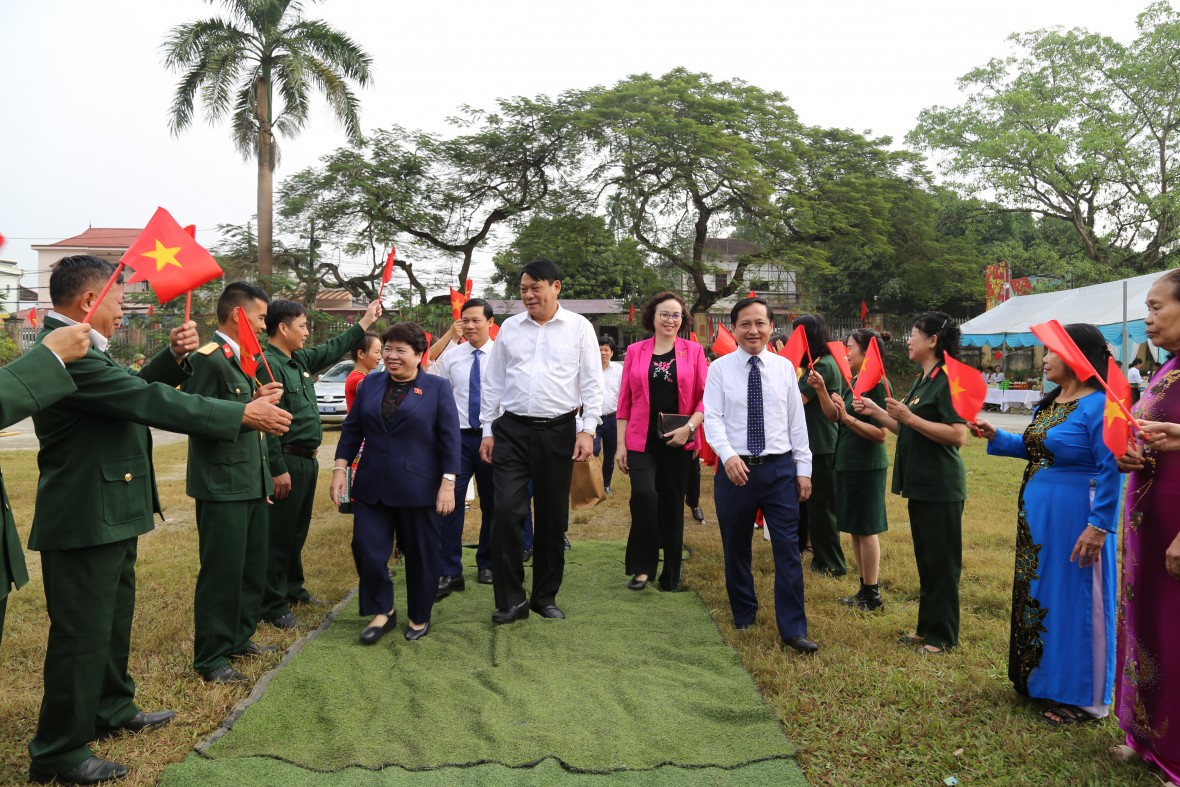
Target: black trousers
x,y
525,453
692,492
606,441
417,530
658,479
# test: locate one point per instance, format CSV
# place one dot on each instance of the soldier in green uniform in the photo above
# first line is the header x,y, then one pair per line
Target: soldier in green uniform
x,y
817,517
230,482
292,458
928,472
95,497
31,383
861,463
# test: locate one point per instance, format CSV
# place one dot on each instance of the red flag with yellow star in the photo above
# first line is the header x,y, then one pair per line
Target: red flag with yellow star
x,y
872,371
457,301
168,259
1116,429
839,352
968,388
796,347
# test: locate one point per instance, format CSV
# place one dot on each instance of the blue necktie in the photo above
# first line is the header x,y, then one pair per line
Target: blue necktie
x,y
473,391
755,419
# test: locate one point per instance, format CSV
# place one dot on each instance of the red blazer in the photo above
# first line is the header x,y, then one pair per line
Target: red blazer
x,y
635,396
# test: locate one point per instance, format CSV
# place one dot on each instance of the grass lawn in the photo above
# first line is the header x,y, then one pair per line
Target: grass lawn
x,y
865,711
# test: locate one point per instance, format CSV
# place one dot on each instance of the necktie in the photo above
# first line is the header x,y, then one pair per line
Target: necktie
x,y
755,420
473,391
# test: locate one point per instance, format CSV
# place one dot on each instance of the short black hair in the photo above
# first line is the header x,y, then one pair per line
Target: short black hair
x,y
282,312
74,275
606,341
238,293
363,345
647,316
541,270
473,302
1136,362
410,333
743,303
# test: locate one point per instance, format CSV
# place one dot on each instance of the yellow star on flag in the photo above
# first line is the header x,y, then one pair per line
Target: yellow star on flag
x,y
1112,412
956,387
164,255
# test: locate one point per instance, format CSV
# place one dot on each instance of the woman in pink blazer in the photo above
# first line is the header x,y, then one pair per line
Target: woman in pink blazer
x,y
663,374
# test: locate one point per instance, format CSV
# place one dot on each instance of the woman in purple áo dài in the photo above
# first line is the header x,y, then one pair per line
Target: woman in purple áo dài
x,y
1147,694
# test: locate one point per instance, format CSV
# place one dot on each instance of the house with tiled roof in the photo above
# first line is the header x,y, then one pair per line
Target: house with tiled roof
x,y
108,243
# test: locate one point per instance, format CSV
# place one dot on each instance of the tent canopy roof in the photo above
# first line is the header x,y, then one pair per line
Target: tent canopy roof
x,y
1100,305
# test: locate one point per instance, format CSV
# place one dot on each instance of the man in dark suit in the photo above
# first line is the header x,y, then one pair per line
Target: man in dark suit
x,y
31,383
229,482
95,497
293,457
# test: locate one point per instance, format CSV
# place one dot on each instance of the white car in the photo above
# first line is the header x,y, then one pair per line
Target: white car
x,y
329,393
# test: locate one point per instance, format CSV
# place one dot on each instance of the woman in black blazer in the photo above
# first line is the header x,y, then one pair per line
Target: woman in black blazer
x,y
404,483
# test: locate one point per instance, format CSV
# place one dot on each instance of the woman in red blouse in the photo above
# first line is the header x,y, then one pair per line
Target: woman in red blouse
x,y
366,356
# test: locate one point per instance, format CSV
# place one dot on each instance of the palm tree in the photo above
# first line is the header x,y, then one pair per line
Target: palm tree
x,y
236,64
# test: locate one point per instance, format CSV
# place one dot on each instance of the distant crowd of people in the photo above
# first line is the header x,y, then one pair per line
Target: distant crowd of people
x,y
794,448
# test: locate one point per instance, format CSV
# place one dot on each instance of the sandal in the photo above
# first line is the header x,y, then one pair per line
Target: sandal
x,y
911,639
1124,753
1066,715
932,650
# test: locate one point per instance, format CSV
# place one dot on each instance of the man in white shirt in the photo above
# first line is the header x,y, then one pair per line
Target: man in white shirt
x,y
606,441
545,366
464,365
755,422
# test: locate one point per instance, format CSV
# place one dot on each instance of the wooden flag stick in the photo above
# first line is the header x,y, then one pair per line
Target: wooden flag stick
x,y
105,290
188,305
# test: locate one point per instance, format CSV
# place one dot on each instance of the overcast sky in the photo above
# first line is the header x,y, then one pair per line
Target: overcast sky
x,y
84,139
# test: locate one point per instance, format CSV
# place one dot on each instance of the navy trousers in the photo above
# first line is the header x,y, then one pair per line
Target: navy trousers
x,y
606,442
417,530
771,487
470,466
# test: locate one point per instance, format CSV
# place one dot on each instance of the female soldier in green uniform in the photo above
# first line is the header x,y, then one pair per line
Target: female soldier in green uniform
x,y
860,468
928,472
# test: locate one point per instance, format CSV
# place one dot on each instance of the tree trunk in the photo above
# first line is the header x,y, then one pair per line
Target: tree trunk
x,y
265,179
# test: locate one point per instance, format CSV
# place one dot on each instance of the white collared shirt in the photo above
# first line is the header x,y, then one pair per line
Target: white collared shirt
x,y
455,365
612,381
726,408
232,345
97,340
543,371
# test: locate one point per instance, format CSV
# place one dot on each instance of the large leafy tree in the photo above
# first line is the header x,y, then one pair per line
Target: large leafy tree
x,y
1075,126
236,64
684,157
594,262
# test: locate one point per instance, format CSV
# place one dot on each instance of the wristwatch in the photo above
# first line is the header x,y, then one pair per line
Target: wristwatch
x,y
449,477
692,428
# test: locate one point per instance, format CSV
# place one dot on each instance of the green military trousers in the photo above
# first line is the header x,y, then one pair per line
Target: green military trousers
x,y
937,530
820,512
290,520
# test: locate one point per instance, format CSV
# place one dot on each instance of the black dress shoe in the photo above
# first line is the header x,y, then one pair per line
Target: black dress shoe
x,y
288,621
801,645
528,555
449,585
254,650
485,576
568,546
698,514
637,584
224,674
547,611
512,614
413,633
138,723
373,633
90,771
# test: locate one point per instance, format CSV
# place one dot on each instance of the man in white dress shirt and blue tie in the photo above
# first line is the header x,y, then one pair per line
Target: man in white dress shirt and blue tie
x,y
545,366
755,422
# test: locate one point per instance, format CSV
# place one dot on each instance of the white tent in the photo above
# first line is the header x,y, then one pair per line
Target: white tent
x,y
1100,305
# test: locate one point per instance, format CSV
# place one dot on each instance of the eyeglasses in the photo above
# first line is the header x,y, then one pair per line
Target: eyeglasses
x,y
669,316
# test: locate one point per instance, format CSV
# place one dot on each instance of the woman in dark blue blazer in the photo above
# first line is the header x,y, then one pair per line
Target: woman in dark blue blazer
x,y
404,483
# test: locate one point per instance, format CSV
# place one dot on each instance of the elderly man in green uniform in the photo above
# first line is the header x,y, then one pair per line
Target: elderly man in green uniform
x,y
31,383
95,497
230,483
292,458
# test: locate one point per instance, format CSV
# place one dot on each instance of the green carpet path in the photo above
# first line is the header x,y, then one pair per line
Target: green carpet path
x,y
633,688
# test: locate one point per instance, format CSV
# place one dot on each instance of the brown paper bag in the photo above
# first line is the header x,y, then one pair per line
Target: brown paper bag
x,y
586,487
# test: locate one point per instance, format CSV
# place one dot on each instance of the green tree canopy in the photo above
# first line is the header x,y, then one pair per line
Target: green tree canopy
x,y
593,262
1077,127
234,64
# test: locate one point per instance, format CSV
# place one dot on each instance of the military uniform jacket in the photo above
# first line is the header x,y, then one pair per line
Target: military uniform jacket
x,y
30,383
295,373
218,469
97,482
922,468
